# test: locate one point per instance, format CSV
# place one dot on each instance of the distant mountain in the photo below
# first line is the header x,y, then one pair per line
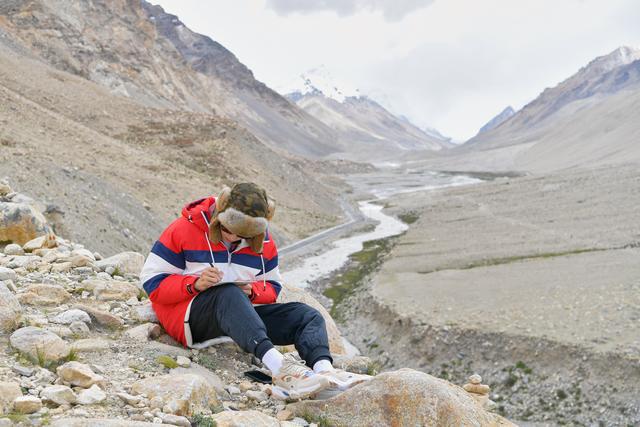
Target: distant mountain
x,y
498,120
601,78
137,50
591,118
365,129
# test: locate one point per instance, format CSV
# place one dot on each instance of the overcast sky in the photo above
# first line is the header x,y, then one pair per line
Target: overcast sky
x,y
448,64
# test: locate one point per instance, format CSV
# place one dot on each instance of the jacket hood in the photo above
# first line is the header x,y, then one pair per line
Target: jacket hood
x,y
193,212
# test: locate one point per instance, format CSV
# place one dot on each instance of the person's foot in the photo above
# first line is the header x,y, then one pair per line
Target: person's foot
x,y
343,380
296,381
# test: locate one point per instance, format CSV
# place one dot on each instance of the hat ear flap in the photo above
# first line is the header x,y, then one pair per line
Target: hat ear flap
x,y
215,235
222,201
257,243
271,209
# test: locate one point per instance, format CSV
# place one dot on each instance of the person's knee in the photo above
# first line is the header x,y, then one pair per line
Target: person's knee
x,y
310,314
230,291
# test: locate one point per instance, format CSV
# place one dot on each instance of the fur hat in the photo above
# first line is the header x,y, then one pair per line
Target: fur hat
x,y
244,210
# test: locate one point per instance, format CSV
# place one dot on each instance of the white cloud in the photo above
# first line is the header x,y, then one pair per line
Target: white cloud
x,y
393,10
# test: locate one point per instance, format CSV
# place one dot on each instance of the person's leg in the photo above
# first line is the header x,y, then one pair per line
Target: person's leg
x,y
226,310
299,324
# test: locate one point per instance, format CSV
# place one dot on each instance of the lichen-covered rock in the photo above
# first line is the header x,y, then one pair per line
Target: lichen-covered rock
x,y
291,294
9,391
181,394
244,418
39,344
10,309
404,397
20,223
125,262
41,294
27,404
79,374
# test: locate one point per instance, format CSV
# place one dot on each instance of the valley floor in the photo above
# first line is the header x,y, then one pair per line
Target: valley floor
x,y
533,282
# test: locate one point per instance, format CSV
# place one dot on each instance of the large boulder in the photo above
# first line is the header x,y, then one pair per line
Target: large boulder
x,y
20,223
292,294
125,262
10,309
404,397
185,394
40,345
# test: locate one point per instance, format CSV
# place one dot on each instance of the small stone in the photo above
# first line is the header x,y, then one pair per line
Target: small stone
x,y
63,267
70,316
103,318
89,345
41,294
233,390
80,328
92,395
144,313
10,309
300,421
284,415
13,249
7,274
27,404
125,262
23,370
258,396
245,386
143,332
129,399
9,391
475,379
477,388
184,362
175,420
79,374
58,394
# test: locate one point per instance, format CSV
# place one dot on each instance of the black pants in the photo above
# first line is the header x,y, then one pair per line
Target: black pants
x,y
226,310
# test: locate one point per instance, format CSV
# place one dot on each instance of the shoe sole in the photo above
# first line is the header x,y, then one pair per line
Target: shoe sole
x,y
282,394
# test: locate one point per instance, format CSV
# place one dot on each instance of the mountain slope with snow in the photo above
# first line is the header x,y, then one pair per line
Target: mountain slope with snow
x,y
504,115
365,129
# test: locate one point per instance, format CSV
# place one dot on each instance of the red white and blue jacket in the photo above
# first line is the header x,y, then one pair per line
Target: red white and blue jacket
x,y
181,254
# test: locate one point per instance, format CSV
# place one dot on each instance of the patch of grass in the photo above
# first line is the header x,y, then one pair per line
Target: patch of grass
x,y
561,394
117,272
316,419
142,295
523,367
16,418
511,380
362,264
208,361
373,368
72,356
200,420
167,362
409,217
41,358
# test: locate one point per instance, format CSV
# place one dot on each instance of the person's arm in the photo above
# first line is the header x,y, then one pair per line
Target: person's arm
x,y
161,277
267,293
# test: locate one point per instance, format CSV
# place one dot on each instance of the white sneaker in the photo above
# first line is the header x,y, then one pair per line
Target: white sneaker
x,y
296,381
344,380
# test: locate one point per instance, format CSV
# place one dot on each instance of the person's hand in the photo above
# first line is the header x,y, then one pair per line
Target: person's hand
x,y
209,277
246,288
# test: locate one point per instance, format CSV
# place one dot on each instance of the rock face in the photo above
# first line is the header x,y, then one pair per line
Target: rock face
x,y
125,262
20,223
10,309
404,397
291,294
39,344
181,394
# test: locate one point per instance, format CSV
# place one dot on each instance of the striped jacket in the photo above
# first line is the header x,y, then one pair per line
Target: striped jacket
x,y
181,254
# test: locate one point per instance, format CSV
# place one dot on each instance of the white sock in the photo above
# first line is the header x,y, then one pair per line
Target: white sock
x,y
272,359
322,365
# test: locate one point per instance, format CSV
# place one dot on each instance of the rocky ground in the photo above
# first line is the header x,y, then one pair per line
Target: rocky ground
x,y
530,281
82,347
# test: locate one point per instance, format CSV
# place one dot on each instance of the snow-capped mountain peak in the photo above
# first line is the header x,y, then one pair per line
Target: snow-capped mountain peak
x,y
318,81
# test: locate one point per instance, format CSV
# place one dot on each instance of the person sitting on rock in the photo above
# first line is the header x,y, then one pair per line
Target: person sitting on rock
x,y
214,272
